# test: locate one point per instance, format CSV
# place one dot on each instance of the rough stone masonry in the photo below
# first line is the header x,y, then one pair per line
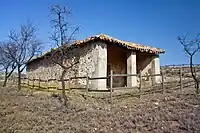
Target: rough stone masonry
x,y
97,55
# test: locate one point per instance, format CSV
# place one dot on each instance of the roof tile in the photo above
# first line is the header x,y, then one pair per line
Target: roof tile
x,y
128,45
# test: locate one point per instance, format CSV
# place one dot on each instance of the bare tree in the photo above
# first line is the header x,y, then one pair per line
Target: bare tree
x,y
62,35
191,47
22,47
63,31
6,64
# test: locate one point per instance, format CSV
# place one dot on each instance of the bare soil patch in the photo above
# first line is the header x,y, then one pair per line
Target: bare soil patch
x,y
34,111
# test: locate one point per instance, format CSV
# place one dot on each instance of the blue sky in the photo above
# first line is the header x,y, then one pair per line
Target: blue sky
x,y
149,22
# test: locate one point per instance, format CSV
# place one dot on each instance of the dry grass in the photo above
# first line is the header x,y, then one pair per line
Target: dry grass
x,y
27,111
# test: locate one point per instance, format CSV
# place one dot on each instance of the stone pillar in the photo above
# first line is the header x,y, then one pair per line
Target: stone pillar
x,y
156,68
131,69
100,67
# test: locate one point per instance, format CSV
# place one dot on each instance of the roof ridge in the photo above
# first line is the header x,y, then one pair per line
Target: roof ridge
x,y
105,37
123,41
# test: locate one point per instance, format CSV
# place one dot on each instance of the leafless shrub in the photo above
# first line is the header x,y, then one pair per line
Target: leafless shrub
x,y
23,45
6,63
62,35
191,47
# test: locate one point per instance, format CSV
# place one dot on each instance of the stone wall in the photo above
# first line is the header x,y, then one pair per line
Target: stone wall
x,y
87,55
93,59
148,64
117,63
144,63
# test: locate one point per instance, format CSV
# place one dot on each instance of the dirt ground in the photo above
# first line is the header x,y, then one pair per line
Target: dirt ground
x,y
34,111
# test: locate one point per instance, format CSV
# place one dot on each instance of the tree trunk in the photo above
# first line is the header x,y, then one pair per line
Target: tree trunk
x,y
197,89
5,78
193,75
63,88
7,75
19,78
5,81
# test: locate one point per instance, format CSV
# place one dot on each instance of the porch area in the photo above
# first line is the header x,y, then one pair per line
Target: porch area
x,y
123,61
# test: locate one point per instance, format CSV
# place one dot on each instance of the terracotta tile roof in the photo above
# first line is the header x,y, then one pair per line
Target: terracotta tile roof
x,y
128,45
106,38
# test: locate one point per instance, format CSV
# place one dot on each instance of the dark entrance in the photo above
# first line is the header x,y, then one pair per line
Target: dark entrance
x,y
117,61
